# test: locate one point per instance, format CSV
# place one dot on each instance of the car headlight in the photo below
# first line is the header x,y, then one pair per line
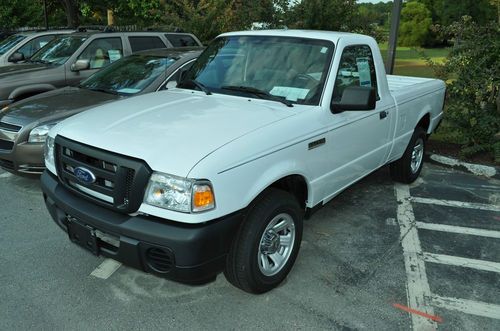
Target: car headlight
x,y
48,153
179,194
39,134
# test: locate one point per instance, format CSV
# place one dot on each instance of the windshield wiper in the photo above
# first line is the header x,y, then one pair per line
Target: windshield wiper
x,y
98,89
259,93
197,84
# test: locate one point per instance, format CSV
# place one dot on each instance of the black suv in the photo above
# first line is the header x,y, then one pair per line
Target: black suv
x,y
70,58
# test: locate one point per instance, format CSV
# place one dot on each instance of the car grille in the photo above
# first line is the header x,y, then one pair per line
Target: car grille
x,y
120,181
6,145
10,127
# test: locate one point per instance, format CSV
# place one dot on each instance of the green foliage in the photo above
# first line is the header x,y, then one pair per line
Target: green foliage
x,y
18,13
333,15
472,71
415,23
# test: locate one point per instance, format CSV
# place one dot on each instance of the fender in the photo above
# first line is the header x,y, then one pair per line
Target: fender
x,y
30,90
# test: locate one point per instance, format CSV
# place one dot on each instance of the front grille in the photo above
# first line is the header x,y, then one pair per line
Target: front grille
x,y
10,127
6,164
6,145
119,181
159,259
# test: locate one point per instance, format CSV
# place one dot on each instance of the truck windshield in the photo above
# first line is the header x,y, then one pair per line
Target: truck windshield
x,y
129,75
58,50
268,67
10,42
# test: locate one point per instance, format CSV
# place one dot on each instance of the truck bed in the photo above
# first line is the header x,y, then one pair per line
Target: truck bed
x,y
405,88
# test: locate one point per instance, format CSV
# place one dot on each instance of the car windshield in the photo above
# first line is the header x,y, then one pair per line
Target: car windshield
x,y
58,50
269,67
129,75
10,42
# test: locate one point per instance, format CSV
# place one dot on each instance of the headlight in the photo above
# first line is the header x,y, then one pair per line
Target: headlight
x,y
49,153
179,194
39,134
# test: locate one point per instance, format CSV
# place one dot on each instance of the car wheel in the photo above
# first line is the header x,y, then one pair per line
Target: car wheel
x,y
267,243
408,167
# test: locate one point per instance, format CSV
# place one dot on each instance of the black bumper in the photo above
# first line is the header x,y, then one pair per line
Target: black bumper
x,y
186,253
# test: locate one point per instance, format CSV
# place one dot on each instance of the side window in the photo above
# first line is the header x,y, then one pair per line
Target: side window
x,y
101,52
356,68
176,75
144,43
34,45
181,40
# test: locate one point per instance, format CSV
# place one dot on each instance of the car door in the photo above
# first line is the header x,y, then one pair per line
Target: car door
x,y
359,140
99,53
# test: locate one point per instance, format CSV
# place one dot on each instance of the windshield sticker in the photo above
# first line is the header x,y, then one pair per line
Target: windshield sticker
x,y
324,50
364,71
43,43
128,90
114,55
289,93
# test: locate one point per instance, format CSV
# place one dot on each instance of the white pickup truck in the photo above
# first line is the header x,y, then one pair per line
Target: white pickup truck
x,y
218,173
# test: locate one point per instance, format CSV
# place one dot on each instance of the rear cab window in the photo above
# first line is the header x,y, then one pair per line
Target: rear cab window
x,y
141,43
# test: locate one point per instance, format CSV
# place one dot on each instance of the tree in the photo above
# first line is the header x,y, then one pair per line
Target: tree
x,y
333,15
18,13
415,23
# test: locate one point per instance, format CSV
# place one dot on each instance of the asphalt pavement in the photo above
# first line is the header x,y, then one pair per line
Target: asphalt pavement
x,y
379,256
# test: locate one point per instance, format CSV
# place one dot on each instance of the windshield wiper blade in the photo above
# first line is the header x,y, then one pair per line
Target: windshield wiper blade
x,y
197,84
260,93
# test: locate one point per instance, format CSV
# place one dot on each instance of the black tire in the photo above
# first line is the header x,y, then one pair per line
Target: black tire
x,y
244,267
404,170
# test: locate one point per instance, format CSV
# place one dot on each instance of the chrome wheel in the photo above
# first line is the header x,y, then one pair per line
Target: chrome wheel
x,y
276,244
417,155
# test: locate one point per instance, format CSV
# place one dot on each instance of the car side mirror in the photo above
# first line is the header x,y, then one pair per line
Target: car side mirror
x,y
355,98
80,65
16,57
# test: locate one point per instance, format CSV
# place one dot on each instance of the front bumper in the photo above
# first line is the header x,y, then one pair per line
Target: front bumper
x,y
188,253
24,159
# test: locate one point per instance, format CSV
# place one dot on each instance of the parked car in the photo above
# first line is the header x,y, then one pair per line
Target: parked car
x,y
21,46
25,124
5,33
217,174
68,59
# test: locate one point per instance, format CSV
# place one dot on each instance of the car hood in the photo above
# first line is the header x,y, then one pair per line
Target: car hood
x,y
54,105
12,71
171,130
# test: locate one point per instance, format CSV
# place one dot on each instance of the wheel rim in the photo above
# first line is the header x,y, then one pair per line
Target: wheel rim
x,y
276,244
417,155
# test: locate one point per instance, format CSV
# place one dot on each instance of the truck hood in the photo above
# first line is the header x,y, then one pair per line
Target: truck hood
x,y
54,105
12,71
171,130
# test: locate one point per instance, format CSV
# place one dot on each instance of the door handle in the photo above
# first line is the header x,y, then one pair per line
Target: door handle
x,y
383,114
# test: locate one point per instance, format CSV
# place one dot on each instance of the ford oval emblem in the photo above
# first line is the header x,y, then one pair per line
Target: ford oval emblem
x,y
84,175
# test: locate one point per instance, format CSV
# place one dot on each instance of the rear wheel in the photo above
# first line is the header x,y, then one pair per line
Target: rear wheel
x,y
267,243
408,167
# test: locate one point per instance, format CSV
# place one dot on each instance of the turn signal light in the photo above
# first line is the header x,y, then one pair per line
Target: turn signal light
x,y
203,197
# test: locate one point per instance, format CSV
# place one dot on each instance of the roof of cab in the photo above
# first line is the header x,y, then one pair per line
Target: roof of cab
x,y
313,34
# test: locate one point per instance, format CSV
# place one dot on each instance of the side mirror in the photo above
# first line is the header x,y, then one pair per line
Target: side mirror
x,y
355,98
80,65
16,57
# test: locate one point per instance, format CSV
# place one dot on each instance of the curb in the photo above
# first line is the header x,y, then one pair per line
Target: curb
x,y
476,169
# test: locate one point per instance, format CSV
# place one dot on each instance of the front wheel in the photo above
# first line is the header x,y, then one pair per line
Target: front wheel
x,y
267,243
408,167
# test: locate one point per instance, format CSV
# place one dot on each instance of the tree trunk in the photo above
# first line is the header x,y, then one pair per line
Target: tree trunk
x,y
71,10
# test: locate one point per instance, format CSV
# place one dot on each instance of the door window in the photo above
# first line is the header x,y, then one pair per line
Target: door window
x,y
181,40
176,75
356,68
34,45
143,43
103,51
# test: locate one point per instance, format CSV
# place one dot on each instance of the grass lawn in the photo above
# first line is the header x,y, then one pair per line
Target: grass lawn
x,y
410,63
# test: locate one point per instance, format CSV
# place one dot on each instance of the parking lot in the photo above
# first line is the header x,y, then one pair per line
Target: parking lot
x,y
379,256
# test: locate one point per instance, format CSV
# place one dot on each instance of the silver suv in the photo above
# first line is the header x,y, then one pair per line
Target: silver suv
x,y
21,46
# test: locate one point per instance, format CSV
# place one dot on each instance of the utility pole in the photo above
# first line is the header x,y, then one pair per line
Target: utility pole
x,y
45,14
393,36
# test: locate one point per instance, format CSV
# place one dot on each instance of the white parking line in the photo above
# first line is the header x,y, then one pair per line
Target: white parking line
x,y
417,285
460,204
106,269
459,229
467,306
462,262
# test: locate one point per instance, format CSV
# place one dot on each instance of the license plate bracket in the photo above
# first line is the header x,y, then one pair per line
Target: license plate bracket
x,y
82,235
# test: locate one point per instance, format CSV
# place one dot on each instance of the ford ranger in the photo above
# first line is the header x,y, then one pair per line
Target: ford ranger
x,y
218,173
